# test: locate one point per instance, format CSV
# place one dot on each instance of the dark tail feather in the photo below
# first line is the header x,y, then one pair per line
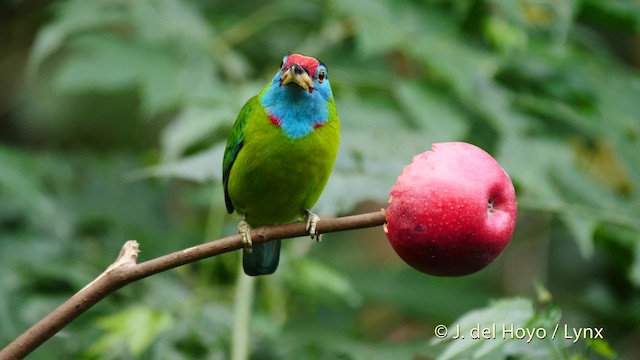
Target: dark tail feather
x,y
263,260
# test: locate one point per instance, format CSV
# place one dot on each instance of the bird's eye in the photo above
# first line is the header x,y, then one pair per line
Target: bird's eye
x,y
321,76
281,65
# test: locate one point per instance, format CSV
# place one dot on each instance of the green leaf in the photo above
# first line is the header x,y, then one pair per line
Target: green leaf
x,y
318,281
132,330
191,125
554,16
165,21
621,14
21,183
102,62
507,328
504,35
73,17
581,227
106,63
532,172
431,112
602,348
634,270
202,166
377,32
503,313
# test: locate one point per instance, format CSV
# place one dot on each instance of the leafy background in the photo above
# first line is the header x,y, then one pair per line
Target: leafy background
x,y
114,114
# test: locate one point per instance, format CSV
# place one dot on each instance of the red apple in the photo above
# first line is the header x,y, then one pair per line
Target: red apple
x,y
452,210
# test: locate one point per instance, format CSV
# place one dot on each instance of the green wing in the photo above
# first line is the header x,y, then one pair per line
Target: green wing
x,y
234,145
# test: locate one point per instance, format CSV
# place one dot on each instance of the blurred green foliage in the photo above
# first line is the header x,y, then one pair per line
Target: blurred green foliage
x,y
114,117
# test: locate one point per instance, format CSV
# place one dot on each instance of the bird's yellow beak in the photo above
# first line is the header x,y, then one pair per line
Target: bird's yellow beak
x,y
297,75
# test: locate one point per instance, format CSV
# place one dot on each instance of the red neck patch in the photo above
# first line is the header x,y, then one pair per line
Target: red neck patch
x,y
277,122
306,62
274,120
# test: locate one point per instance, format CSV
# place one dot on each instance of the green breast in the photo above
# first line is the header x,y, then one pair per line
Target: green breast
x,y
274,178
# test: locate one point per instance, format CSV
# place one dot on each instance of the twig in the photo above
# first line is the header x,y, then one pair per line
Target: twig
x,y
125,270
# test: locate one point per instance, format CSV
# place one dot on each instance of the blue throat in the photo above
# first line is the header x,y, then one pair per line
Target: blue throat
x,y
297,111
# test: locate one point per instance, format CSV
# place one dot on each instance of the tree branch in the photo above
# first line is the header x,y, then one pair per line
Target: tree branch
x,y
125,270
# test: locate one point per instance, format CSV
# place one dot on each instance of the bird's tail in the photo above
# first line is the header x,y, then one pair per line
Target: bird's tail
x,y
263,260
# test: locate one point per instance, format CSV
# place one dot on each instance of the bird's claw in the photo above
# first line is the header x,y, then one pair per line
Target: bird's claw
x,y
312,221
244,229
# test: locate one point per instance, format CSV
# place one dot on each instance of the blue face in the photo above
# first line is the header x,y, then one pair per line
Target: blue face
x,y
299,106
320,78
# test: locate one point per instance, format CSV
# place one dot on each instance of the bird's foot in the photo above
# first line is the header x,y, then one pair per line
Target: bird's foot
x,y
312,221
244,229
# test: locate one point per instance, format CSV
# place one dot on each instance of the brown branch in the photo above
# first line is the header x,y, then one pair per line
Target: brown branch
x,y
125,270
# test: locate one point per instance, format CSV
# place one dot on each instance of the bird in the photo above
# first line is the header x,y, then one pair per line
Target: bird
x,y
279,156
